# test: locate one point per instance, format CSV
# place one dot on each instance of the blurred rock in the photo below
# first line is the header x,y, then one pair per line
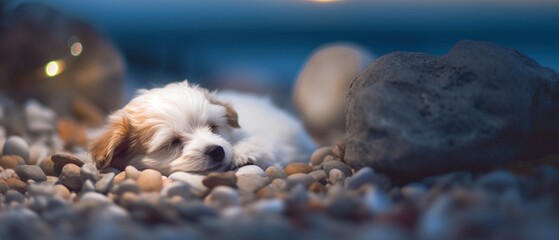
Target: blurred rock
x,y
89,69
15,145
321,89
481,105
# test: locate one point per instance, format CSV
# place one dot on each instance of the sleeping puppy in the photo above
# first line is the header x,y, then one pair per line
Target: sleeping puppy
x,y
183,127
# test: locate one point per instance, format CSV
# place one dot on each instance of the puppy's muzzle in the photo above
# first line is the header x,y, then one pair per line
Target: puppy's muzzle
x,y
216,153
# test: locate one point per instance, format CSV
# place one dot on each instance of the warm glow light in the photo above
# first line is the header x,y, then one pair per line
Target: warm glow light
x,y
76,49
54,68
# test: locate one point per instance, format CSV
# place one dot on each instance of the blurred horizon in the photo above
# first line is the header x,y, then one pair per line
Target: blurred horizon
x,y
266,43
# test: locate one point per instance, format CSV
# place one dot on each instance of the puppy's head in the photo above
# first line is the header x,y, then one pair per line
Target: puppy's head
x,y
179,127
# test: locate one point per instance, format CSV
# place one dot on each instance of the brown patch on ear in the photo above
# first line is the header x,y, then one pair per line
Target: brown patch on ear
x,y
111,143
230,113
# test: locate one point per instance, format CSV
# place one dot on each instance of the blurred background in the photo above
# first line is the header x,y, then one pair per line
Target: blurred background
x,y
261,46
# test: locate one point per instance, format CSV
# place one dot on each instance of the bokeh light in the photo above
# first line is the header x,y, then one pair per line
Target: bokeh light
x,y
54,68
76,48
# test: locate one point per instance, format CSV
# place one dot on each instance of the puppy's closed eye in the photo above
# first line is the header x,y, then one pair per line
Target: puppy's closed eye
x,y
173,144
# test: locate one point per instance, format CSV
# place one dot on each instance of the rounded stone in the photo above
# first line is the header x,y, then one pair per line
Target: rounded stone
x,y
132,172
3,186
87,186
62,191
299,178
250,170
321,88
178,188
293,168
274,172
119,177
249,184
89,172
223,196
47,166
61,159
14,196
126,186
192,179
320,175
70,177
220,179
366,175
105,184
15,145
329,165
11,161
31,172
319,154
336,176
94,199
150,180
497,183
16,184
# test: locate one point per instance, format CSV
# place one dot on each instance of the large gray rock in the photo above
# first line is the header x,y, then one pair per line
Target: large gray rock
x,y
480,105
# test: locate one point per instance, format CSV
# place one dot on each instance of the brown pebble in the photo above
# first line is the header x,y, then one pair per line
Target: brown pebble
x,y
339,150
150,180
127,198
11,161
269,191
220,179
318,155
52,179
16,184
119,178
3,186
47,166
70,177
293,168
131,172
62,191
274,172
61,159
317,187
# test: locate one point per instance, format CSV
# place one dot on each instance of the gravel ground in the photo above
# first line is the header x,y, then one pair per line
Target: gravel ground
x,y
51,190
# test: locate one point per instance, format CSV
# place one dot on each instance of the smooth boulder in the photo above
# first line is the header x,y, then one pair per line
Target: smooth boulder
x,y
481,105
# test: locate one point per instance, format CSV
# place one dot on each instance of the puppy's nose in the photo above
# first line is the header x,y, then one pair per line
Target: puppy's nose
x,y
216,153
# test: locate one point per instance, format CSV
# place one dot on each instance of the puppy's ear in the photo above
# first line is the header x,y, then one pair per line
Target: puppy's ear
x,y
112,143
230,113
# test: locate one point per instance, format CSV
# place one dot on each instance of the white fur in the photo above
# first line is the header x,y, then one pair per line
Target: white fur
x,y
268,135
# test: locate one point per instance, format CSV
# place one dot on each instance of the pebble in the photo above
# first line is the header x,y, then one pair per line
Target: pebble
x,y
336,176
31,172
365,176
11,161
47,166
179,188
89,172
61,159
318,155
3,186
88,186
249,184
37,152
16,184
150,180
192,179
293,168
329,165
105,184
127,185
266,207
319,175
62,191
8,173
274,172
250,170
43,189
15,145
39,118
93,199
220,179
14,196
132,172
70,177
317,187
119,177
299,178
223,196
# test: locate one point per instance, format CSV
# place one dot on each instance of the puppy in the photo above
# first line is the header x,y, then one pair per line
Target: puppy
x,y
183,127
